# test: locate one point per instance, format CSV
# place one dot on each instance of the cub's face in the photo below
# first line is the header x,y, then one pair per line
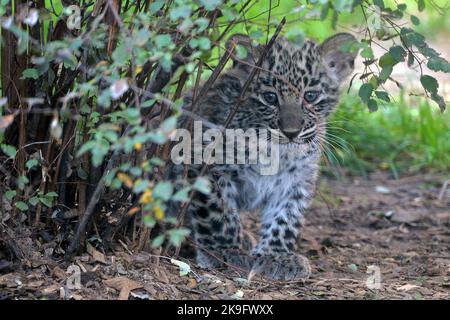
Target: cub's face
x,y
298,87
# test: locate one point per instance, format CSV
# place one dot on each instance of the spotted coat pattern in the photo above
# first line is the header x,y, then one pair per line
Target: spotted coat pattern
x,y
295,91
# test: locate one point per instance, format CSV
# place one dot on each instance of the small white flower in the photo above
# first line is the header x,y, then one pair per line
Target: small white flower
x,y
55,128
118,88
3,101
7,23
32,18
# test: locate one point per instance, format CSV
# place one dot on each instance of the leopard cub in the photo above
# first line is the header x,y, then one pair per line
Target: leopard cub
x,y
292,96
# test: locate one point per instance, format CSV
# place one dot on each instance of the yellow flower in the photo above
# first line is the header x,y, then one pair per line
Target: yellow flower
x,y
138,146
138,69
125,179
159,213
146,197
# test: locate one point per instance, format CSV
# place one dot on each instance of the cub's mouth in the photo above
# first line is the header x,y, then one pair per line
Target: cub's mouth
x,y
303,137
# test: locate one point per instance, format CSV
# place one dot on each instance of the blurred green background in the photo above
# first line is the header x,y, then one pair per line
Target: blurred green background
x,y
407,135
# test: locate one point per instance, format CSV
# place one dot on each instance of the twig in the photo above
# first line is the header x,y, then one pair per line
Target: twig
x,y
98,192
240,99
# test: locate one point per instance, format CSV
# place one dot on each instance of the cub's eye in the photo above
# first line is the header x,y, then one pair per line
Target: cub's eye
x,y
271,98
311,96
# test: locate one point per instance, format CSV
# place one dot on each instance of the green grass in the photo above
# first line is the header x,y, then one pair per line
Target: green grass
x,y
405,136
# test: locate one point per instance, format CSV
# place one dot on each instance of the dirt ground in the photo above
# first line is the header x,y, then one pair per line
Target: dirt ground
x,y
366,239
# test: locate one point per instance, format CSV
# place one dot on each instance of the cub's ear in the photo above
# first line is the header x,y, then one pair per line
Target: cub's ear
x,y
337,56
251,53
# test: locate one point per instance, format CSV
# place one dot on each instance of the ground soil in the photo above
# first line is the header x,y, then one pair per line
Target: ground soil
x,y
355,228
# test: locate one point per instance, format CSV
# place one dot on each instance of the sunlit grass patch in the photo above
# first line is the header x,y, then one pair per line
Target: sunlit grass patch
x,y
405,135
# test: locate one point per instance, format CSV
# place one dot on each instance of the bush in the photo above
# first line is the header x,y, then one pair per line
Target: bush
x,y
91,95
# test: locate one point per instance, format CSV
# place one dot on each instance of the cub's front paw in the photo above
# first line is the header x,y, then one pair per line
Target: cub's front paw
x,y
223,257
282,266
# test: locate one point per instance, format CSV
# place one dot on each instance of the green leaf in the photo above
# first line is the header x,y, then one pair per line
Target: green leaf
x,y
140,186
202,185
429,83
324,11
22,206
52,194
136,171
210,4
415,20
365,91
116,184
385,73
383,95
410,37
177,236
421,5
163,40
157,137
374,82
22,181
410,59
169,124
156,6
156,161
386,60
296,36
397,53
190,67
31,163
158,241
241,52
193,43
149,221
202,24
148,103
334,19
427,51
258,34
46,201
439,100
204,43
181,195
367,53
109,177
10,194
86,147
99,152
373,105
10,151
229,13
342,5
120,55
166,61
181,11
163,190
33,201
30,74
402,7
438,64
379,3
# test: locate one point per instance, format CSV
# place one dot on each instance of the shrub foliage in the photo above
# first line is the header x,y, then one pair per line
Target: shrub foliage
x,y
91,92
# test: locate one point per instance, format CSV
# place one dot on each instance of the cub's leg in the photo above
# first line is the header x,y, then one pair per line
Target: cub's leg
x,y
217,227
275,254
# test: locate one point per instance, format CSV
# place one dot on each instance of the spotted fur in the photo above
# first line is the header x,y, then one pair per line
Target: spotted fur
x,y
297,88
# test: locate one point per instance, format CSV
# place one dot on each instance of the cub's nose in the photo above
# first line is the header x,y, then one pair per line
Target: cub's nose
x,y
291,133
